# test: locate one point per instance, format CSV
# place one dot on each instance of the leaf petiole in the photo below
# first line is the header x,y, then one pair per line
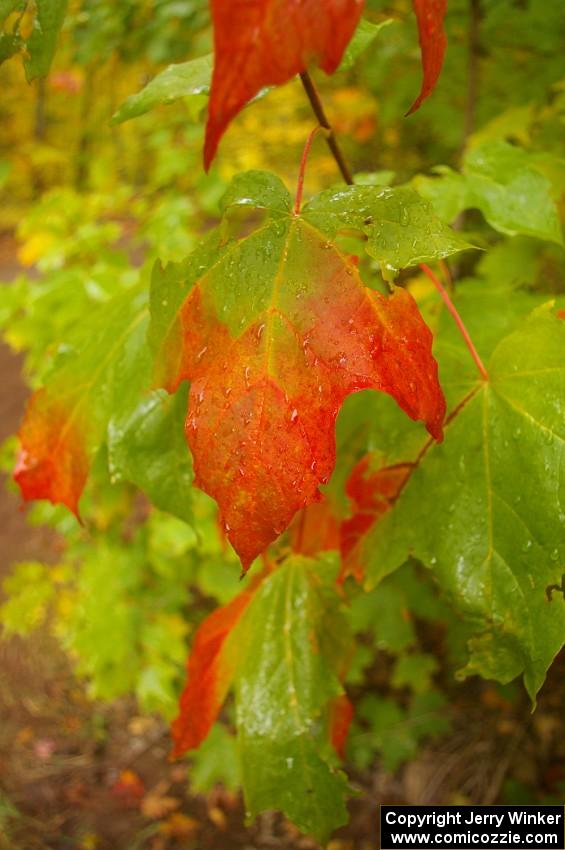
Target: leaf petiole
x,y
458,320
303,161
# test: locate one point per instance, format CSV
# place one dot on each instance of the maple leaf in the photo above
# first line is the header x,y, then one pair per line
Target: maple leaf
x,y
372,492
53,462
399,227
494,540
274,645
210,673
315,529
89,398
146,446
260,43
291,646
65,421
41,44
430,15
341,715
274,331
506,183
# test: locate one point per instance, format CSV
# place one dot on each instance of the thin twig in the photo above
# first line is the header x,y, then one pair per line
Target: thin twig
x,y
320,114
473,71
473,55
458,320
303,161
446,274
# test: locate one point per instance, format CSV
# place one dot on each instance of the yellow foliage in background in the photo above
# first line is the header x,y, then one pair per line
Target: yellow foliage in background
x,y
281,121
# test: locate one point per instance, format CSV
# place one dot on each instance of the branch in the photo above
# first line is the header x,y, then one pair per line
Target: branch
x,y
473,55
318,110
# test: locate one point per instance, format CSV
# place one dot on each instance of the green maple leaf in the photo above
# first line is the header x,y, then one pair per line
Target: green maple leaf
x,y
42,42
290,645
400,227
494,536
190,80
146,446
506,183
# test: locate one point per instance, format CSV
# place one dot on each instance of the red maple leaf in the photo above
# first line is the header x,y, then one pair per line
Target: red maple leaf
x,y
210,672
315,529
53,461
268,377
433,41
372,493
341,715
260,43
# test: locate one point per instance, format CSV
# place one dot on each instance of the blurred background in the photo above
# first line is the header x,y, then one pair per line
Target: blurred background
x,y
96,621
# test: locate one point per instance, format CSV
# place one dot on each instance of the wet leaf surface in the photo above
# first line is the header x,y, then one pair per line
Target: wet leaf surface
x,y
274,330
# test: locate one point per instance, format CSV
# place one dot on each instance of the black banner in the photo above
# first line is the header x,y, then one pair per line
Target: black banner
x,y
477,827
